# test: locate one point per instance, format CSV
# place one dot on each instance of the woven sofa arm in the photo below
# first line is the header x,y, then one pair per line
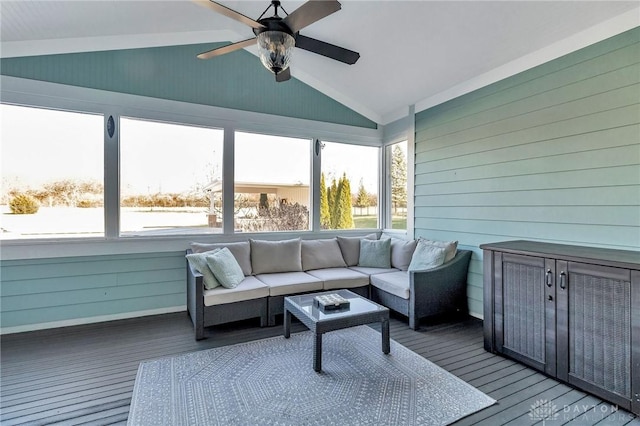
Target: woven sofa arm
x,y
195,298
442,289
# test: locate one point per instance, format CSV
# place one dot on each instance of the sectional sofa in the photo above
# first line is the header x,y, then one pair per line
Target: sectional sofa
x,y
390,271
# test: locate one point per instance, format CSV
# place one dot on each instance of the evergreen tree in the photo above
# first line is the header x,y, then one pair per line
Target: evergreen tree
x,y
332,196
325,216
362,199
344,202
398,178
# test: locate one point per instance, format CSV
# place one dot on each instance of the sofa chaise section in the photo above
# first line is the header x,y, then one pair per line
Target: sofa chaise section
x,y
424,293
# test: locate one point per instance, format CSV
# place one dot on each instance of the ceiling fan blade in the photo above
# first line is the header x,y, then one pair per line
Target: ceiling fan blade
x,y
227,49
229,13
310,12
283,75
325,49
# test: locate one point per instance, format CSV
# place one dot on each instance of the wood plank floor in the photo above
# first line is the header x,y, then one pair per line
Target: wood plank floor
x,y
85,374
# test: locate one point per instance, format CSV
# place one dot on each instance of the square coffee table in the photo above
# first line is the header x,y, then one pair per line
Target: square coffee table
x,y
360,311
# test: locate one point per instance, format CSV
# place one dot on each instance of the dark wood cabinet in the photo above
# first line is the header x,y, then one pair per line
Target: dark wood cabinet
x,y
571,312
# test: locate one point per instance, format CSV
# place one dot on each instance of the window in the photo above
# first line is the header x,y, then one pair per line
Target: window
x,y
397,155
349,186
170,178
272,183
52,173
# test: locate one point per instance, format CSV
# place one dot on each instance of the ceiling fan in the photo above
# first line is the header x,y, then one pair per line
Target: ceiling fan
x,y
277,36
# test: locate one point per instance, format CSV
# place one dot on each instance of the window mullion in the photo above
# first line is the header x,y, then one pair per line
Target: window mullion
x,y
228,181
111,174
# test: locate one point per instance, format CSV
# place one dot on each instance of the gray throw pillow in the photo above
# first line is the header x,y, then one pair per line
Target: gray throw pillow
x,y
375,253
276,256
198,261
402,252
320,254
350,248
427,256
240,250
225,268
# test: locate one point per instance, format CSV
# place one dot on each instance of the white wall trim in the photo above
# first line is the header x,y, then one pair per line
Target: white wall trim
x,y
602,31
476,315
90,320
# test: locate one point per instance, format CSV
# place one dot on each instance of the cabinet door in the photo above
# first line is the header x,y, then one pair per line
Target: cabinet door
x,y
594,329
525,310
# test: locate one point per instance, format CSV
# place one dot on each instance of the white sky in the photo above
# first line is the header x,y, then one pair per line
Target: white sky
x,y
40,145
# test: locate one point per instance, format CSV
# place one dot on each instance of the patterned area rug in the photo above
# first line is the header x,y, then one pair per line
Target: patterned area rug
x,y
272,382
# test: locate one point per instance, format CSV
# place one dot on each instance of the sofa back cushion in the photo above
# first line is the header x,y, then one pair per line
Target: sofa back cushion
x,y
320,254
350,248
241,251
276,256
375,254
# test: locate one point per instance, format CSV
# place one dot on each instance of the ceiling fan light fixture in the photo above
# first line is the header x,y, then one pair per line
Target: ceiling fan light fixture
x,y
275,48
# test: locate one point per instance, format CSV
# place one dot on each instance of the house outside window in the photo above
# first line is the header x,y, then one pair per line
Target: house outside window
x,y
272,183
52,173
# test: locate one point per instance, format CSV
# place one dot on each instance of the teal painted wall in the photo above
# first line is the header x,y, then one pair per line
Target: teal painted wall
x,y
51,290
550,154
236,80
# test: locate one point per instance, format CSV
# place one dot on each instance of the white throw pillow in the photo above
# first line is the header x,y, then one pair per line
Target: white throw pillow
x,y
198,261
451,247
240,250
320,254
276,256
427,256
225,268
375,253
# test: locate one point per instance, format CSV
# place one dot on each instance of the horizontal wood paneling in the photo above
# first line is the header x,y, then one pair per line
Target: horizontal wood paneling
x,y
50,290
550,154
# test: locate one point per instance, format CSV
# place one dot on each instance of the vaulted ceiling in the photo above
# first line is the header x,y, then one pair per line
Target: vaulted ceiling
x,y
412,52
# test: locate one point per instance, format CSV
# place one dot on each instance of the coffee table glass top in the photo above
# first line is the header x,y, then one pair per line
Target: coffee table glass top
x,y
357,305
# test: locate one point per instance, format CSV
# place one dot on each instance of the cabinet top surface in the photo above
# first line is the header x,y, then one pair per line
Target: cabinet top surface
x,y
624,258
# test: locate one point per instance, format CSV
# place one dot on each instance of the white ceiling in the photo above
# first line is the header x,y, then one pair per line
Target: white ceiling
x,y
412,52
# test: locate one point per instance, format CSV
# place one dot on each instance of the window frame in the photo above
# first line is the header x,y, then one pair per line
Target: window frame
x,y
38,94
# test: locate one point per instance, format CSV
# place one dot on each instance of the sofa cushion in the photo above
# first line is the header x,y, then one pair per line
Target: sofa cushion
x,y
375,254
451,247
334,278
269,257
350,248
198,261
319,254
225,268
396,283
372,271
284,283
401,253
240,250
250,288
427,256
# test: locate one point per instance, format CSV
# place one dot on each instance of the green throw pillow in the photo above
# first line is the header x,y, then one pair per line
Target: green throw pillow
x,y
427,256
225,267
198,261
375,253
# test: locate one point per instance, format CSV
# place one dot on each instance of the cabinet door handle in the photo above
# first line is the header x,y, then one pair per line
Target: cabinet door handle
x,y
563,280
549,276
